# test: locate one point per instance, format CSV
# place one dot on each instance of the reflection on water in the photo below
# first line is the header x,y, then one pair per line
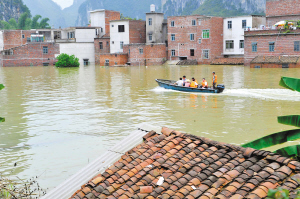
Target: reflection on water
x,y
60,119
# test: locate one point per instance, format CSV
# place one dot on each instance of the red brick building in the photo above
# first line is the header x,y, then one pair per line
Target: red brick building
x,y
14,38
271,43
195,37
30,54
278,10
146,54
102,46
113,59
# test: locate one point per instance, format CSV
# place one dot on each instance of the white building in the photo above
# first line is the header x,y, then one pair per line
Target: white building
x,y
233,32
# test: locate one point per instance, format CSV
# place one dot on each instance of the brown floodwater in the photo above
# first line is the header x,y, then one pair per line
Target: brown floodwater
x,y
60,119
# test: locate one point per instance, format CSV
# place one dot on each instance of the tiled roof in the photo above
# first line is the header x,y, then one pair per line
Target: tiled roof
x,y
178,165
276,59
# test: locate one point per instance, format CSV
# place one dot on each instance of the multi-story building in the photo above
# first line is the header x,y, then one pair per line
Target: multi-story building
x,y
233,33
195,37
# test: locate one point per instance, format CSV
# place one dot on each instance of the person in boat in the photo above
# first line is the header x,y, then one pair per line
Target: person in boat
x,y
214,80
179,82
204,83
194,83
187,83
183,80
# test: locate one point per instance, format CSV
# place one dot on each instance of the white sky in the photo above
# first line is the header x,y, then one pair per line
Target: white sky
x,y
64,3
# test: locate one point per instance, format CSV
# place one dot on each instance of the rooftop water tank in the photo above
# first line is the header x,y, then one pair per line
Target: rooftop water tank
x,y
152,8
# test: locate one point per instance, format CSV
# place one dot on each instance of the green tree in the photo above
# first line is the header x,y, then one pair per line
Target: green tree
x,y
27,24
5,25
13,24
65,60
22,21
44,23
35,24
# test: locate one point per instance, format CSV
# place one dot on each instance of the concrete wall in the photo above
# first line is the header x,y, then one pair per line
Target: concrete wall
x,y
85,35
80,50
183,28
284,43
31,54
153,54
114,59
1,41
97,18
156,29
116,37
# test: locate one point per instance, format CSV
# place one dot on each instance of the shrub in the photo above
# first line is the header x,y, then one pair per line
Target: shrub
x,y
65,60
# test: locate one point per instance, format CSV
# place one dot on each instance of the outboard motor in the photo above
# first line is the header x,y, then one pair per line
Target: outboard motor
x,y
220,88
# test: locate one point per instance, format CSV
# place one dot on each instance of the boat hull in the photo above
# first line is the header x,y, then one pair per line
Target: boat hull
x,y
169,84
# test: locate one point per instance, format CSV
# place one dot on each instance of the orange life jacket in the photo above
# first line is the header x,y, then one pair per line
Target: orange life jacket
x,y
216,77
204,84
194,84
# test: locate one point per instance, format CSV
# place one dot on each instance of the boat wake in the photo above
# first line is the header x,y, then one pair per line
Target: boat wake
x,y
264,94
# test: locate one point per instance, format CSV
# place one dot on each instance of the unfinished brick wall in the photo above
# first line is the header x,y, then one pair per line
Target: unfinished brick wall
x,y
183,44
282,7
114,59
137,31
153,54
110,15
284,43
106,48
14,38
31,54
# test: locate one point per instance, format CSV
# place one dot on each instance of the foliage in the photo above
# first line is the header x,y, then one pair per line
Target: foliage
x,y
280,193
25,23
1,118
65,60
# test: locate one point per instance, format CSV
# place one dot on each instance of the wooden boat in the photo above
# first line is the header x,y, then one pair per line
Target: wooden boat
x,y
170,84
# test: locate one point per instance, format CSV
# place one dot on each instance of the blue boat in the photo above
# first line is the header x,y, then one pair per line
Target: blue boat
x,y
170,84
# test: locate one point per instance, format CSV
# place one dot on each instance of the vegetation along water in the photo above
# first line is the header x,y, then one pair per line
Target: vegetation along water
x,y
57,120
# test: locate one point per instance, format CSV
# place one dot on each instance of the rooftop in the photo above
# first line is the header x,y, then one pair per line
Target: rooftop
x,y
179,165
276,59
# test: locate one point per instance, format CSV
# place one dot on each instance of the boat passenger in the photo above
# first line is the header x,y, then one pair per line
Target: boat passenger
x,y
187,83
214,80
204,83
194,83
179,82
184,80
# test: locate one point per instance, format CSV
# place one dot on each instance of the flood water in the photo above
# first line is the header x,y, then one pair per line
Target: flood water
x,y
58,120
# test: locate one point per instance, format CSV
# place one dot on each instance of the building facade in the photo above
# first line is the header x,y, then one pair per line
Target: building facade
x,y
279,10
156,28
195,37
233,33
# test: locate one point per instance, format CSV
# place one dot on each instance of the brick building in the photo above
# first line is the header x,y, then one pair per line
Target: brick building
x,y
146,54
195,37
14,38
115,59
30,54
270,43
278,10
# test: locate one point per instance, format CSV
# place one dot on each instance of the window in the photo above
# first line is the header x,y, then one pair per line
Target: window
x,y
244,24
172,53
192,52
107,43
45,49
85,62
150,37
112,42
121,28
101,29
96,30
101,45
172,37
229,44
229,24
271,46
107,62
150,21
129,51
71,35
205,54
254,46
241,43
205,34
199,41
172,23
193,22
296,45
23,36
121,44
192,37
141,51
112,25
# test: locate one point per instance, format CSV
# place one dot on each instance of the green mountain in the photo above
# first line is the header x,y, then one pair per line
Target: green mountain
x,y
12,9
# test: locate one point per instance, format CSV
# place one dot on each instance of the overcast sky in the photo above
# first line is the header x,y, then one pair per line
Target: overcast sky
x,y
64,3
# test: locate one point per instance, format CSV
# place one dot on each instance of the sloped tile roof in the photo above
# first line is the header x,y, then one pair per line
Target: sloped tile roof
x,y
178,165
276,59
